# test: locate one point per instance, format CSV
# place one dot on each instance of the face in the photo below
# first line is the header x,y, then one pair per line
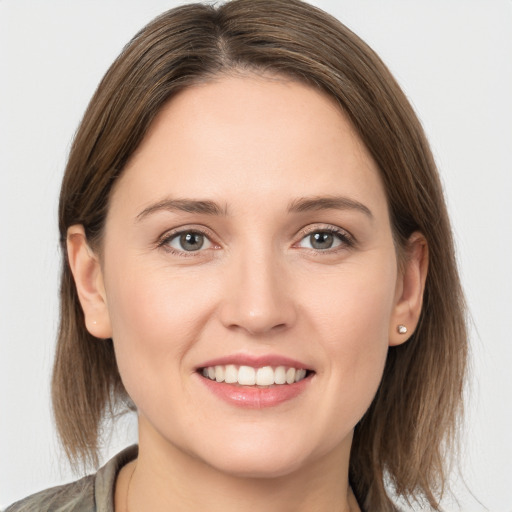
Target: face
x,y
250,277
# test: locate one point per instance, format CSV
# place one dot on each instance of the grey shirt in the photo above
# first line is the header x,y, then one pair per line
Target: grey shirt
x,y
93,493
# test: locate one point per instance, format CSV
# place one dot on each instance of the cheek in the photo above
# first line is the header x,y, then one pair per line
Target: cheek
x,y
155,319
355,323
355,305
145,299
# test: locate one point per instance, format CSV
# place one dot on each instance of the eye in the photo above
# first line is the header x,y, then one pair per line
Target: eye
x,y
325,239
187,241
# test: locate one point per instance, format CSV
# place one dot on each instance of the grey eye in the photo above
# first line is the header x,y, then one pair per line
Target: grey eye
x,y
321,240
189,241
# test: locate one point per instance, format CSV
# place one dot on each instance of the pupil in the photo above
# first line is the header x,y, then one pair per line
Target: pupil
x,y
191,241
321,240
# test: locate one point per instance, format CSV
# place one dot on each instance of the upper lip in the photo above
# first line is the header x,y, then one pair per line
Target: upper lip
x,y
254,361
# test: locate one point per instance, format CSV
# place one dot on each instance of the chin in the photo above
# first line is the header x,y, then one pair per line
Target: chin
x,y
260,466
264,456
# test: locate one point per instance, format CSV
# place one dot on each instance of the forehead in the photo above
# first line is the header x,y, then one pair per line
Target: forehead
x,y
248,135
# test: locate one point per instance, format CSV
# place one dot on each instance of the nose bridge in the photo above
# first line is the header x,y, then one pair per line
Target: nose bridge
x,y
258,298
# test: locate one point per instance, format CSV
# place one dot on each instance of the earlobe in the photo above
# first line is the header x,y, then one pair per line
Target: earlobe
x,y
87,273
409,290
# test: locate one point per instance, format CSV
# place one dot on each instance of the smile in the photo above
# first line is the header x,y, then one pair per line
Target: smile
x,y
255,382
251,376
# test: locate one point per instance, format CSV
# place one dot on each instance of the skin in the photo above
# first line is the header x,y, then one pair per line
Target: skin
x,y
254,146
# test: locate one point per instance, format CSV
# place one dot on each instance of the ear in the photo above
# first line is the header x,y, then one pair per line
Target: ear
x,y
409,289
88,276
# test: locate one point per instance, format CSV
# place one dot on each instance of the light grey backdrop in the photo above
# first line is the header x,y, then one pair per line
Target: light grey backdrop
x,y
454,60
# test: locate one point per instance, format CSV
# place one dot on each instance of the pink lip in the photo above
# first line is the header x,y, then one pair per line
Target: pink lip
x,y
254,361
254,397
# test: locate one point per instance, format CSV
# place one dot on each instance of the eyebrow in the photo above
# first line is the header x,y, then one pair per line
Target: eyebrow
x,y
307,204
183,205
303,204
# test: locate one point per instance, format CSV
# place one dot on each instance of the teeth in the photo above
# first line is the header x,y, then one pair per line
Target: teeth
x,y
231,375
249,376
290,376
219,373
246,376
300,374
280,375
265,376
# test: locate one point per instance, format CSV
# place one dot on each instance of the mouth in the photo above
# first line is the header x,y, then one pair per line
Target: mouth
x,y
260,377
255,383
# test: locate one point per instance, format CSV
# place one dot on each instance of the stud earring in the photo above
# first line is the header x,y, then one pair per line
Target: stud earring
x,y
401,329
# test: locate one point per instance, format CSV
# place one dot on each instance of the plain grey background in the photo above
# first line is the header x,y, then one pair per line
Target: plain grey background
x,y
454,60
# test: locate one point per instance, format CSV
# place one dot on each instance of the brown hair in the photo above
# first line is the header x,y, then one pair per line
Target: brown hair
x,y
402,438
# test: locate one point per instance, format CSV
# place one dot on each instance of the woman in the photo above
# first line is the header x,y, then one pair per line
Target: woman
x,y
259,260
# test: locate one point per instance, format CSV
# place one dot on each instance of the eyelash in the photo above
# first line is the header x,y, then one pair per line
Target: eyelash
x,y
346,239
169,236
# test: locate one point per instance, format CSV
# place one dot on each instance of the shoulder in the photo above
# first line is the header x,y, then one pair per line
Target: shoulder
x,y
74,497
93,493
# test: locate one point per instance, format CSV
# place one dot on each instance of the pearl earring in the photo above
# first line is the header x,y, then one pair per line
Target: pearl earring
x,y
401,329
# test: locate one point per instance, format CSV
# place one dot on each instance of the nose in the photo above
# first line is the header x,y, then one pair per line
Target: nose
x,y
258,296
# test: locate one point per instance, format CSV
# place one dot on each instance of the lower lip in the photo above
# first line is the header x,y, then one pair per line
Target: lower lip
x,y
252,397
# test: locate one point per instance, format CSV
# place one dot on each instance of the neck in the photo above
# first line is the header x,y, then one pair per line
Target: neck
x,y
165,478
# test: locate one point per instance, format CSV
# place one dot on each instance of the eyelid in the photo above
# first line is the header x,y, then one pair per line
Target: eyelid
x,y
348,240
169,235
